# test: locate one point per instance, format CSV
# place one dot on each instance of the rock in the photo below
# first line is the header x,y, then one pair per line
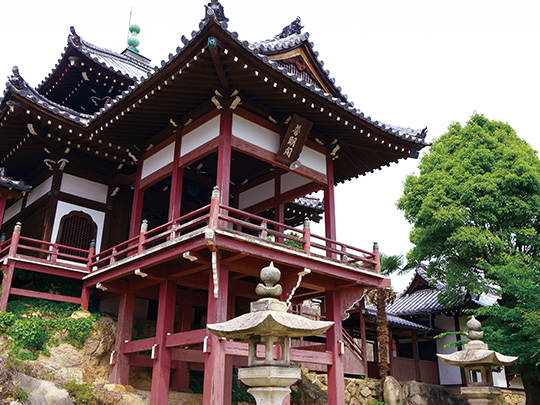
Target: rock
x,y
43,392
392,391
81,314
365,391
118,388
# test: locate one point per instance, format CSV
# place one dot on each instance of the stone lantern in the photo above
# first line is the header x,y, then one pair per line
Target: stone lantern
x,y
270,325
477,360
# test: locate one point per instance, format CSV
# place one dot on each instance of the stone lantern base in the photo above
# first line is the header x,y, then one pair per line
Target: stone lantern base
x,y
480,395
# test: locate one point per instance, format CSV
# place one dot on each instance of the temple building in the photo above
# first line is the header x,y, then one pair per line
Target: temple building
x,y
160,193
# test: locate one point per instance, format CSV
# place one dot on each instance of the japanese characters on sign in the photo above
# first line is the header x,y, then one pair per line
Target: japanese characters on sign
x,y
294,140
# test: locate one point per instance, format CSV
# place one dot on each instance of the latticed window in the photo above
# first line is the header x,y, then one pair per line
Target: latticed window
x,y
77,229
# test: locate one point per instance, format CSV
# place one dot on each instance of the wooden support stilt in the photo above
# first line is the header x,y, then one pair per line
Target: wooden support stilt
x,y
334,343
180,378
6,284
119,373
85,297
161,354
10,267
217,388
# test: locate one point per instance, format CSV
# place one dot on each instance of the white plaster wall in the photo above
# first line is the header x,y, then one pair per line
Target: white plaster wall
x,y
313,159
80,187
64,208
255,134
39,191
256,194
200,136
158,160
12,211
448,375
290,181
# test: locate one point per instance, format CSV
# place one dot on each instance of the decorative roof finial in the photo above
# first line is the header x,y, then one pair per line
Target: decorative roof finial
x,y
133,41
293,28
214,10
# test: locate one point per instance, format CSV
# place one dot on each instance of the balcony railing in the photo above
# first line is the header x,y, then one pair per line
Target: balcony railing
x,y
213,215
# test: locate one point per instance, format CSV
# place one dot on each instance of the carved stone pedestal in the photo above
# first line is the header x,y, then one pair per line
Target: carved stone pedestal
x,y
269,384
480,395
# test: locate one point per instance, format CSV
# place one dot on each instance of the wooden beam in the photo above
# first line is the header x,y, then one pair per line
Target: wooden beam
x,y
214,53
44,296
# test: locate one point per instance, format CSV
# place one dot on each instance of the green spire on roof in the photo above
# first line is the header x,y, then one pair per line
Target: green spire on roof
x,y
133,41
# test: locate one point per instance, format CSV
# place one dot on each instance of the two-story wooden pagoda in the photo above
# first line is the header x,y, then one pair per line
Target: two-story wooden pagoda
x,y
169,188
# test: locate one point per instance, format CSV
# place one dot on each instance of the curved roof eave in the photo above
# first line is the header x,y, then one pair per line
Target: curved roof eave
x,y
414,136
17,85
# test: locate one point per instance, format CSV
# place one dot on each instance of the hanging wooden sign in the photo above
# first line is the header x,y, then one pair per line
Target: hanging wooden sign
x,y
294,140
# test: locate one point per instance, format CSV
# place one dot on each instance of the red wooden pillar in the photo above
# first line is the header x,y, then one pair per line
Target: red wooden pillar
x,y
119,373
217,367
175,202
224,155
180,378
136,209
329,204
334,343
162,355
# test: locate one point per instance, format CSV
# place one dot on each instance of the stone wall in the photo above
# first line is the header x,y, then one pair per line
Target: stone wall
x,y
366,391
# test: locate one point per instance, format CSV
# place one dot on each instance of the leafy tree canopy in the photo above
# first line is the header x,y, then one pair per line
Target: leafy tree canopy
x,y
475,204
475,212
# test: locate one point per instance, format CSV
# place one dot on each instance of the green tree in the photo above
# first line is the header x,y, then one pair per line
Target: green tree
x,y
475,212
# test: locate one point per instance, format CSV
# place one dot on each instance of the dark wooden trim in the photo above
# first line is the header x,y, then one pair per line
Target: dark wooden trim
x,y
81,202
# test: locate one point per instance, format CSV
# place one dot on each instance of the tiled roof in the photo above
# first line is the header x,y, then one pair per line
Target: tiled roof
x,y
8,182
371,312
313,203
18,85
120,64
425,301
134,69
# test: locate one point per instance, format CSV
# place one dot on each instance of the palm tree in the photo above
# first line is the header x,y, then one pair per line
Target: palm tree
x,y
382,297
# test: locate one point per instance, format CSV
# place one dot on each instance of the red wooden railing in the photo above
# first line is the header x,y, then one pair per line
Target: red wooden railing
x,y
213,215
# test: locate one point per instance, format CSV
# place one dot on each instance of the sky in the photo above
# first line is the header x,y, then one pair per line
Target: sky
x,y
411,63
